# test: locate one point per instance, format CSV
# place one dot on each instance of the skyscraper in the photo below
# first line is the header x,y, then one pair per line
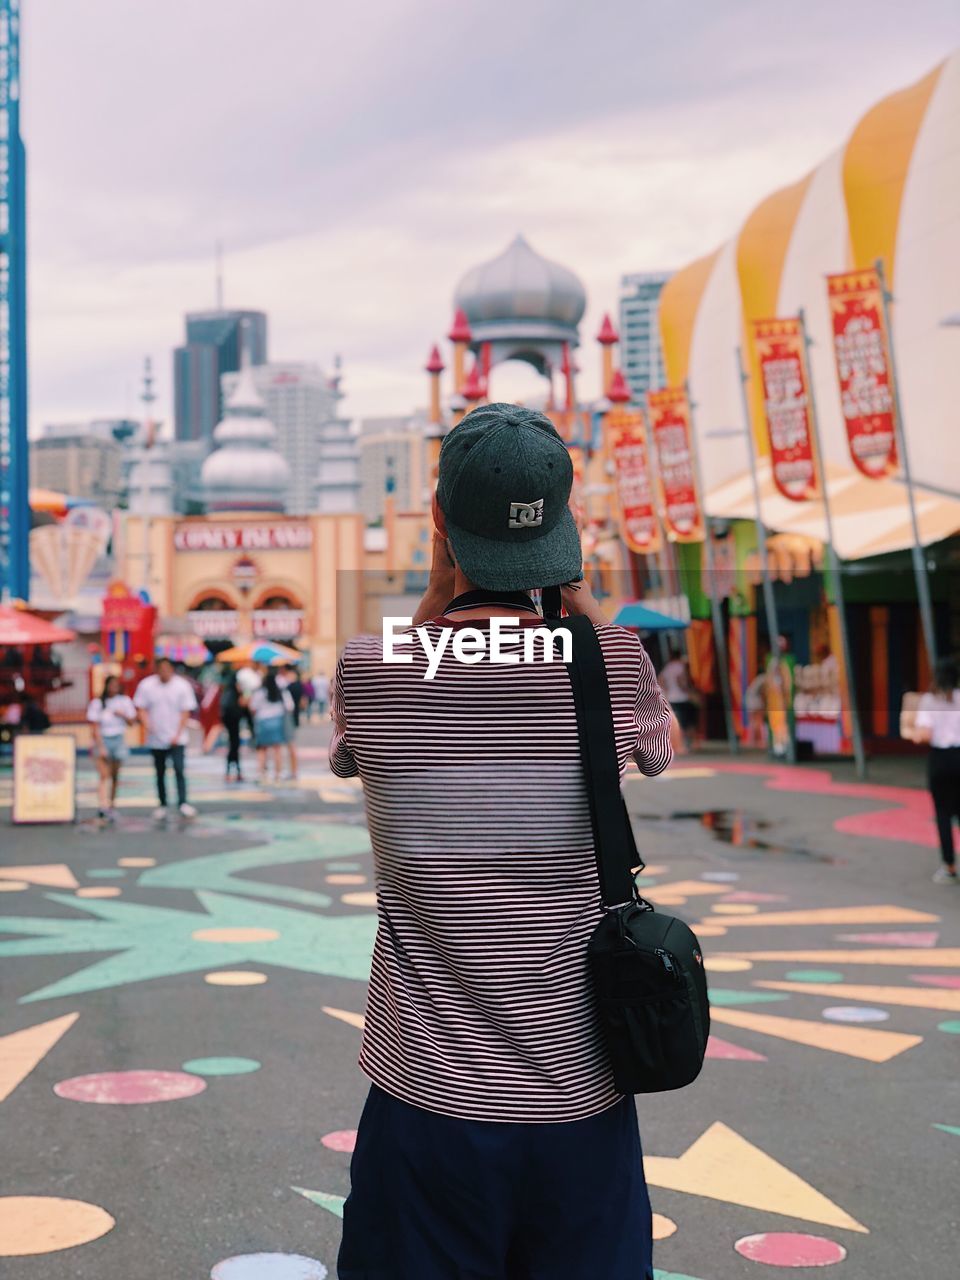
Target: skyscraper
x,y
215,342
641,352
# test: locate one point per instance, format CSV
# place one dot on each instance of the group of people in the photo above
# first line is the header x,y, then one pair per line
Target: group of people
x,y
163,703
270,701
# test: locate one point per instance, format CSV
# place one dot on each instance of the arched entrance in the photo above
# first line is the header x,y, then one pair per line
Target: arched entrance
x,y
278,615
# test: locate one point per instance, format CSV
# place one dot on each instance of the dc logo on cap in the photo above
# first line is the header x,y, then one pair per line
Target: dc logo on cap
x,y
526,515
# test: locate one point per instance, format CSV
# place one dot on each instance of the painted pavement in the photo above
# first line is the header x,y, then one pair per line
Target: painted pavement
x,y
180,1010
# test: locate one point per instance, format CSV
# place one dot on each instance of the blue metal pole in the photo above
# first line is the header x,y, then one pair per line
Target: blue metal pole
x,y
14,465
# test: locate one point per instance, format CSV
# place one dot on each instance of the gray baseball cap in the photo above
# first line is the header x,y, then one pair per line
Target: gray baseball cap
x,y
503,486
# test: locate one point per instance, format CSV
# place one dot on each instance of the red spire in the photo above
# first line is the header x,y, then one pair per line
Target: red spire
x,y
618,392
473,385
461,327
608,334
434,362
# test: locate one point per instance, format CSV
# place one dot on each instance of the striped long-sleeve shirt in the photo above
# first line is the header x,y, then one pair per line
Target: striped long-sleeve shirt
x,y
480,1003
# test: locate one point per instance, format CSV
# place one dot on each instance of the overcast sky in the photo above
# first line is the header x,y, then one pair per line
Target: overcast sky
x,y
356,159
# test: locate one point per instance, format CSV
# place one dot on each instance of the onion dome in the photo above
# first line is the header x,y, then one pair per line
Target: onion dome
x,y
521,285
618,392
608,334
460,331
245,472
434,362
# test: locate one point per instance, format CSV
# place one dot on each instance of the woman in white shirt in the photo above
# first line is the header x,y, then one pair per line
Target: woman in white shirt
x,y
270,705
109,715
938,722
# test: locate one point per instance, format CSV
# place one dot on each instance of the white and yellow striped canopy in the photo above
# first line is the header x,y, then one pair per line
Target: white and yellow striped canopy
x,y
891,192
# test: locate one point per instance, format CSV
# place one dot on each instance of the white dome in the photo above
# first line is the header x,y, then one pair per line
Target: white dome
x,y
245,471
521,285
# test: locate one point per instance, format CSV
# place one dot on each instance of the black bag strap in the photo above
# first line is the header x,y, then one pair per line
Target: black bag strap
x,y
614,844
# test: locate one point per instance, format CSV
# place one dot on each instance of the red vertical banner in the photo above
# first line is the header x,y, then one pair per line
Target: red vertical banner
x,y
672,440
631,460
780,354
863,370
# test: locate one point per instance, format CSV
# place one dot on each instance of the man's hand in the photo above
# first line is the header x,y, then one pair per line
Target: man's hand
x,y
579,601
440,586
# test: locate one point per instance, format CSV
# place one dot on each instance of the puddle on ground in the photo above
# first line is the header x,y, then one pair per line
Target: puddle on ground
x,y
737,828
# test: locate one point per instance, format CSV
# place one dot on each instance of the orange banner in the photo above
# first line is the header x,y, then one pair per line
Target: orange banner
x,y
786,403
631,459
863,370
672,440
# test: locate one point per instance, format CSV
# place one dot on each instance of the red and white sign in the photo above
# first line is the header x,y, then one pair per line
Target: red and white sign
x,y
863,370
211,535
214,624
670,430
638,516
786,404
277,624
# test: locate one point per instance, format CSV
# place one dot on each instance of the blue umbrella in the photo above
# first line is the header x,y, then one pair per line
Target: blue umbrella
x,y
643,619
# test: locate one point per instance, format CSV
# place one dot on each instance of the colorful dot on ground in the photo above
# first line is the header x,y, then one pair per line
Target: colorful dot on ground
x,y
340,1140
13,886
221,1066
725,997
790,1249
238,933
949,980
711,930
663,1228
857,1013
720,877
30,1225
136,862
104,873
734,909
360,899
235,978
814,975
951,1026
949,1128
127,1088
344,877
344,866
726,964
100,891
269,1266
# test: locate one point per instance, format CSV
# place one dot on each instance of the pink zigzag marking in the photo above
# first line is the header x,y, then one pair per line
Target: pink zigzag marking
x,y
910,822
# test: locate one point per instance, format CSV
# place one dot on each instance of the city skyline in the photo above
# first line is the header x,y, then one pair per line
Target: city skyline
x,y
350,204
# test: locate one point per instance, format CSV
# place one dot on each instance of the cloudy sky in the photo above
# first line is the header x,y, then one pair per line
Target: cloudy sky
x,y
356,159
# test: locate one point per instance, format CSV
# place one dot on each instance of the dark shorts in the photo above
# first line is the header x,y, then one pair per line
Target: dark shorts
x,y
686,713
436,1198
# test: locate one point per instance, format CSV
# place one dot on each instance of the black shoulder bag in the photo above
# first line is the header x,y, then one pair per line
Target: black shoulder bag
x,y
647,967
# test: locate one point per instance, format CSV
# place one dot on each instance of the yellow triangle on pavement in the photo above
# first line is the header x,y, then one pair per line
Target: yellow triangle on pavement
x,y
722,1165
22,1050
56,874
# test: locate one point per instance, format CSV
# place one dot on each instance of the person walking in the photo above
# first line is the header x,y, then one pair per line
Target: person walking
x,y
678,690
493,1142
232,716
109,716
292,683
938,723
165,701
270,706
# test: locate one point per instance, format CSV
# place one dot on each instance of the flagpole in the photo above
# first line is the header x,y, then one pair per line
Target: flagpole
x,y
833,558
719,638
769,602
916,550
